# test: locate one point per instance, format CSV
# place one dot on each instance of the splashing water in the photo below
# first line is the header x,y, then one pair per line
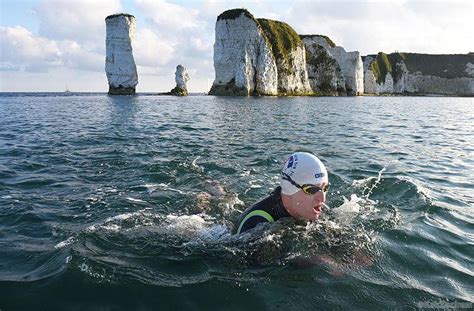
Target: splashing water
x,y
379,177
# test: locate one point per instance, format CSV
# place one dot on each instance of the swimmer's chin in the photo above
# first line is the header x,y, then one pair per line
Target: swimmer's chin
x,y
313,217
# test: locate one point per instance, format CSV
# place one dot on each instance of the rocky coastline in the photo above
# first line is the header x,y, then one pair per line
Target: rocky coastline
x,y
264,57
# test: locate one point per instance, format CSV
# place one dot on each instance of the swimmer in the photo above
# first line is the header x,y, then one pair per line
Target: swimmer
x,y
301,194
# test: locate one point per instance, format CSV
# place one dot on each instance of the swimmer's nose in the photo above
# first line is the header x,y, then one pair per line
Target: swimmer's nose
x,y
320,197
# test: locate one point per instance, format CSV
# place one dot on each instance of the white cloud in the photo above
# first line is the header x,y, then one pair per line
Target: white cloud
x,y
79,57
151,50
21,48
71,34
168,15
370,27
78,20
25,51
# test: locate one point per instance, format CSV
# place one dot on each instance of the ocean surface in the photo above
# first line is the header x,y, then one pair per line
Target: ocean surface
x,y
128,203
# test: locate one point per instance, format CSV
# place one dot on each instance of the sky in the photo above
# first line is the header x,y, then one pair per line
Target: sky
x,y
54,45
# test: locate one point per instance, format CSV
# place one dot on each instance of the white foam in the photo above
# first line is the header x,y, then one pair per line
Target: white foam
x,y
111,227
196,166
150,187
185,224
195,161
135,200
214,233
65,243
121,217
166,187
348,210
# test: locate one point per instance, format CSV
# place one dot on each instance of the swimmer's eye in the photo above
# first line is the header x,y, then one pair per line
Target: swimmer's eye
x,y
307,188
312,189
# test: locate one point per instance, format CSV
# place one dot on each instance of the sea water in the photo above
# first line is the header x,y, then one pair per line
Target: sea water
x,y
129,202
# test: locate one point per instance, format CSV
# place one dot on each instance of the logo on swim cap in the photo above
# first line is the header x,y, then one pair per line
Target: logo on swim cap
x,y
318,175
290,162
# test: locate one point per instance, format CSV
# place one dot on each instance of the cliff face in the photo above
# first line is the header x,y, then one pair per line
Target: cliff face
x,y
412,73
290,56
347,68
243,61
119,62
324,73
352,68
257,57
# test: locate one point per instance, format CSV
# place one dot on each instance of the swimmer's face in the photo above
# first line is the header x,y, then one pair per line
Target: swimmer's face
x,y
304,206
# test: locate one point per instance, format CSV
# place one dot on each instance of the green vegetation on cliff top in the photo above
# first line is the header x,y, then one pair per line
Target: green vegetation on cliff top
x,y
282,38
380,67
279,35
328,40
119,14
234,13
443,65
447,66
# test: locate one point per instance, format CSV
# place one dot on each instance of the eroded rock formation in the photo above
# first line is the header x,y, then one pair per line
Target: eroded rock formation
x,y
119,62
181,77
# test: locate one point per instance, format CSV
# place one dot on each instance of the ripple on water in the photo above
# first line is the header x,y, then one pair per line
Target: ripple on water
x,y
98,190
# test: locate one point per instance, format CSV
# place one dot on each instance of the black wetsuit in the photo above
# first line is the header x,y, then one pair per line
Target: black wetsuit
x,y
267,210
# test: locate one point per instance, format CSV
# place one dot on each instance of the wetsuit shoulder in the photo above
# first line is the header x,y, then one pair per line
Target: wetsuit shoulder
x,y
254,215
267,210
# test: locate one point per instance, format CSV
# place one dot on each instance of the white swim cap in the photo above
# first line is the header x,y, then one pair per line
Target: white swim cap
x,y
303,168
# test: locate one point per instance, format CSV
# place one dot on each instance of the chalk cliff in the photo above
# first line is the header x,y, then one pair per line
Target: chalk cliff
x,y
346,68
181,77
411,73
119,62
324,73
352,68
257,57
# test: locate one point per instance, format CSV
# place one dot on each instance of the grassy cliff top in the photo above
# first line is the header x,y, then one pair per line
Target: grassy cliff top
x,y
328,40
119,14
282,38
233,14
441,65
380,67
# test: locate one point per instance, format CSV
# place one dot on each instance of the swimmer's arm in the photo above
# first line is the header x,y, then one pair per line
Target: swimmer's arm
x,y
250,223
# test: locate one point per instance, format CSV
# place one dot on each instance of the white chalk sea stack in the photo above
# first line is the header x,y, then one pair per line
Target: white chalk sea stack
x,y
120,65
181,77
257,57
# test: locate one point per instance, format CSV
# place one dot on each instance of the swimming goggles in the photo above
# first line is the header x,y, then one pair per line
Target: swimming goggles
x,y
307,188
